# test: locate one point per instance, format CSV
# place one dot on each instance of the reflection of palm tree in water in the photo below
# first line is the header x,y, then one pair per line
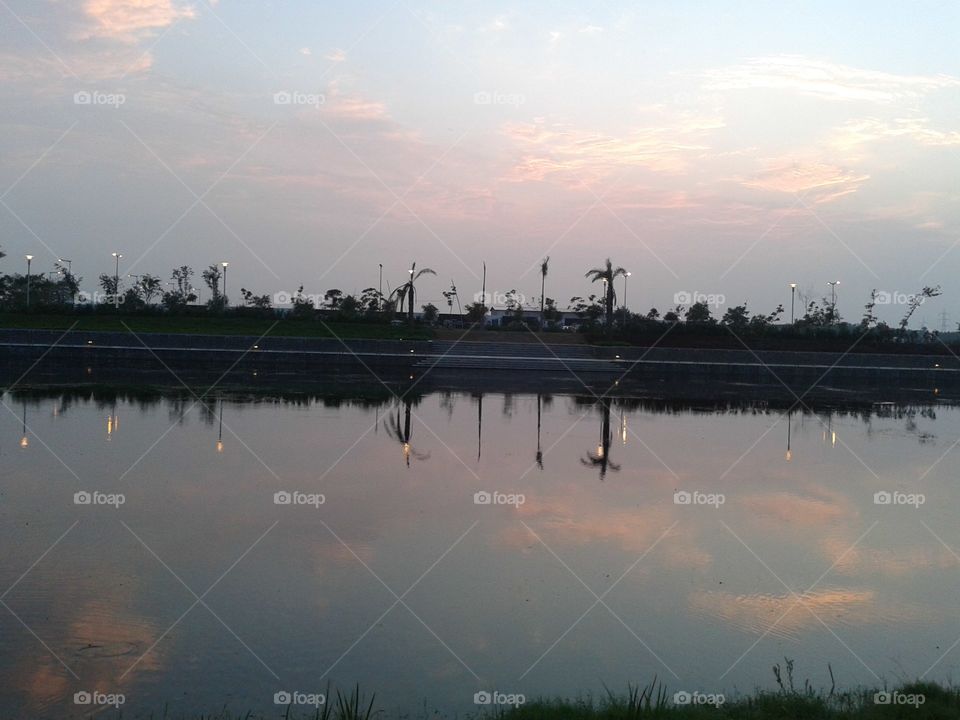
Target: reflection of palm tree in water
x,y
539,449
401,432
601,458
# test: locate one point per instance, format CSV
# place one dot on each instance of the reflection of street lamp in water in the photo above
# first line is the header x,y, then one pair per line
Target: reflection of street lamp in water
x,y
24,441
220,434
789,455
113,421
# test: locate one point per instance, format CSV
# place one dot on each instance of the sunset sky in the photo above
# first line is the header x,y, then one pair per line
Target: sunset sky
x,y
726,148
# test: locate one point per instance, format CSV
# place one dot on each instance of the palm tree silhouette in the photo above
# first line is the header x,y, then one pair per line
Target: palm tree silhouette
x,y
601,458
543,280
407,291
607,274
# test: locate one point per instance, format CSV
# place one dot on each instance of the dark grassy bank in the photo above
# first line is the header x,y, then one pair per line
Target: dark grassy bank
x,y
917,701
212,325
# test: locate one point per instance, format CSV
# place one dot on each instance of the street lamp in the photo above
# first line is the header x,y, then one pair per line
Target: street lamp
x,y
625,297
224,263
116,280
29,260
833,297
793,292
69,265
380,290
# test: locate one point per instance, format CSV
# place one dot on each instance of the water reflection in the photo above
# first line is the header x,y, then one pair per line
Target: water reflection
x,y
601,458
402,432
498,600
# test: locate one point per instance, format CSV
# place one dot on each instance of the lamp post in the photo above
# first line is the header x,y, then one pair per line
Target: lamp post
x,y
29,260
224,264
605,318
380,290
793,292
833,298
624,324
116,280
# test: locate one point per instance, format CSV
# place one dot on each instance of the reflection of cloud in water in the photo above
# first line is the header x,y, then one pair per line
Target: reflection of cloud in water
x,y
755,613
575,522
819,507
896,563
103,638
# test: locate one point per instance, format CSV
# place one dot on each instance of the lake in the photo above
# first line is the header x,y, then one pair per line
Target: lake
x,y
195,556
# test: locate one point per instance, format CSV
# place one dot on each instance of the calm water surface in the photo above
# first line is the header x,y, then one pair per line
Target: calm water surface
x,y
200,590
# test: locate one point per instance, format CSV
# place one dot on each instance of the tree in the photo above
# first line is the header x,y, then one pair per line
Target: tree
x,y
348,308
869,316
370,301
550,313
149,286
916,301
302,305
736,318
476,312
430,313
110,285
407,291
590,309
699,312
543,280
182,294
255,301
211,276
332,297
607,274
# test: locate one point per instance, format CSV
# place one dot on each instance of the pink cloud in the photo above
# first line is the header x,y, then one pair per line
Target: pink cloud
x,y
129,20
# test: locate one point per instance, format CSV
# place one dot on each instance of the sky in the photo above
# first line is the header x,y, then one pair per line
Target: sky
x,y
726,149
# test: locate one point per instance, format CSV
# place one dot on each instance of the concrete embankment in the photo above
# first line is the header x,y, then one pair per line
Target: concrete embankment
x,y
83,356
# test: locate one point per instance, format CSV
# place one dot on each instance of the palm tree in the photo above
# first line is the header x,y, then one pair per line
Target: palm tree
x,y
607,274
408,292
543,280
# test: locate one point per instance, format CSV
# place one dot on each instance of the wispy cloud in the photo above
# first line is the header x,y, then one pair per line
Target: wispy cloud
x,y
821,181
823,79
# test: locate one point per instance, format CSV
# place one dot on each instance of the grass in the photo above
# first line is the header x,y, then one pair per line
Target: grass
x,y
201,325
656,701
